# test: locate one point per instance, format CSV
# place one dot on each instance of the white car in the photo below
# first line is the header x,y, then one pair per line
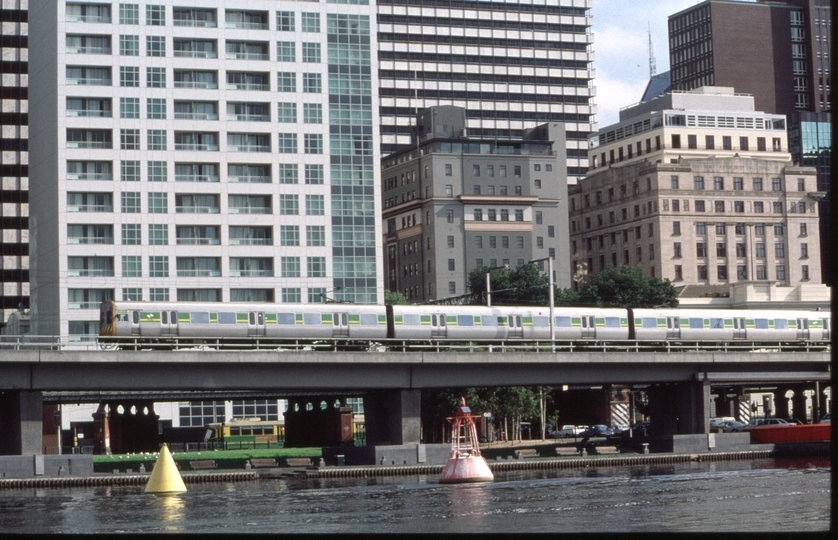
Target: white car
x,y
572,431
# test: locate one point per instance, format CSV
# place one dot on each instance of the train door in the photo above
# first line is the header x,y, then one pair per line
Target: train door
x,y
439,329
673,327
825,328
588,327
340,325
168,323
802,328
516,329
256,323
739,328
135,323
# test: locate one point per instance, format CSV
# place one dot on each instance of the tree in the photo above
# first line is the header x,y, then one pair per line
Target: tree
x,y
523,285
394,298
627,287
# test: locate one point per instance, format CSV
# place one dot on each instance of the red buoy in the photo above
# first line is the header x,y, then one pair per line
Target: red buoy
x,y
465,464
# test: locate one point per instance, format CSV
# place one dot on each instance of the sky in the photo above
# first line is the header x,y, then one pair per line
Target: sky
x,y
621,47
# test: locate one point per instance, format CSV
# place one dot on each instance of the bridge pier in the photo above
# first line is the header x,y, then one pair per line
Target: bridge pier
x,y
781,402
21,423
317,425
798,402
393,417
679,409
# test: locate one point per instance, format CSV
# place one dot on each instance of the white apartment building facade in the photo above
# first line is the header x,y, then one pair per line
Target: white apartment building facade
x,y
201,151
512,64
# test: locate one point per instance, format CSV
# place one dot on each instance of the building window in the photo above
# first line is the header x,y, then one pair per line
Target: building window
x,y
803,230
287,143
638,254
720,229
673,180
155,108
519,215
700,249
312,83
493,241
692,142
757,184
743,143
156,139
801,184
759,207
676,227
761,272
155,46
286,51
156,77
721,272
776,184
760,249
700,228
290,266
677,250
449,170
702,271
699,206
780,251
551,231
778,207
450,241
780,271
286,81
129,76
727,143
492,215
676,141
478,241
129,45
804,250
698,182
158,203
778,229
315,235
804,271
478,214
155,15
313,143
158,266
449,216
740,249
718,183
311,53
721,249
719,206
709,142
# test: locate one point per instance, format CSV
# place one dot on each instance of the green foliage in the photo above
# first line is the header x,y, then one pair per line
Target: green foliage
x,y
394,298
511,286
627,287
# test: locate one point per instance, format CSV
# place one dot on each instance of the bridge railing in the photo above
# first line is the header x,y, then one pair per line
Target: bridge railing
x,y
480,346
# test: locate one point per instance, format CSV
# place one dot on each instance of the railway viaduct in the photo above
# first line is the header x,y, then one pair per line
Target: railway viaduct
x,y
391,383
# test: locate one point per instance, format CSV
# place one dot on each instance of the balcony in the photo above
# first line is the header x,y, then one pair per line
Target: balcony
x,y
88,50
99,113
196,178
90,272
263,87
249,179
212,85
249,117
88,81
91,208
249,210
200,18
196,147
90,240
196,241
248,148
195,116
251,241
252,273
197,209
198,273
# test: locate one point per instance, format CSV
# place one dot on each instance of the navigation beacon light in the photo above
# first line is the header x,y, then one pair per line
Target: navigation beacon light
x,y
465,464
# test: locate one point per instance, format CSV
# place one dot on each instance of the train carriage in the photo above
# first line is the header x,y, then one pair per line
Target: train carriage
x,y
731,324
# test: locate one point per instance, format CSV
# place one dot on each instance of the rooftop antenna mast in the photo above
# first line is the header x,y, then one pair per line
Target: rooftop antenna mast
x,y
652,66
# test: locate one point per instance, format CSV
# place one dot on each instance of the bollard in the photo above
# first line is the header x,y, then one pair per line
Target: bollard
x,y
584,453
645,448
247,465
142,468
321,463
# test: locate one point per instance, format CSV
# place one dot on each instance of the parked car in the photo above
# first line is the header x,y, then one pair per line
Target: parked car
x,y
620,430
717,424
826,419
571,431
597,430
756,422
733,426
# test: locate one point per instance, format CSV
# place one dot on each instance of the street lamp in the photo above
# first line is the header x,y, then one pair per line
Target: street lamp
x,y
552,318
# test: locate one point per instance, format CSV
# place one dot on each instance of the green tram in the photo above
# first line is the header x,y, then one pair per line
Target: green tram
x,y
246,433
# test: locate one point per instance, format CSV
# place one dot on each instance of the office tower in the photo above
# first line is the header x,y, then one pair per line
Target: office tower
x,y
456,202
698,188
777,51
201,151
14,160
512,64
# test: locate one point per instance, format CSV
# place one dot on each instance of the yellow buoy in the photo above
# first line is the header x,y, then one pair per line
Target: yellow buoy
x,y
165,478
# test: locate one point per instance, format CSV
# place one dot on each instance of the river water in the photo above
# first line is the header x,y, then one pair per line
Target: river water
x,y
762,495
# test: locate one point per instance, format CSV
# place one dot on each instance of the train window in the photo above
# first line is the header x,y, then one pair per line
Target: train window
x,y
443,320
173,317
696,323
541,321
465,320
612,322
410,319
135,315
369,319
199,317
260,318
584,322
825,324
781,324
246,430
717,323
488,320
252,318
164,318
344,319
761,324
226,317
285,318
802,324
311,318
650,322
563,322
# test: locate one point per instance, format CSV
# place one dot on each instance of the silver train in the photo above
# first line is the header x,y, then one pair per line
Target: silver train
x,y
417,322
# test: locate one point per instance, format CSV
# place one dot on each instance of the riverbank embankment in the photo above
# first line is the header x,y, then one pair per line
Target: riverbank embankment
x,y
368,471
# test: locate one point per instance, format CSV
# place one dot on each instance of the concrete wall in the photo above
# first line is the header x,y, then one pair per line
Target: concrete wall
x,y
29,466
